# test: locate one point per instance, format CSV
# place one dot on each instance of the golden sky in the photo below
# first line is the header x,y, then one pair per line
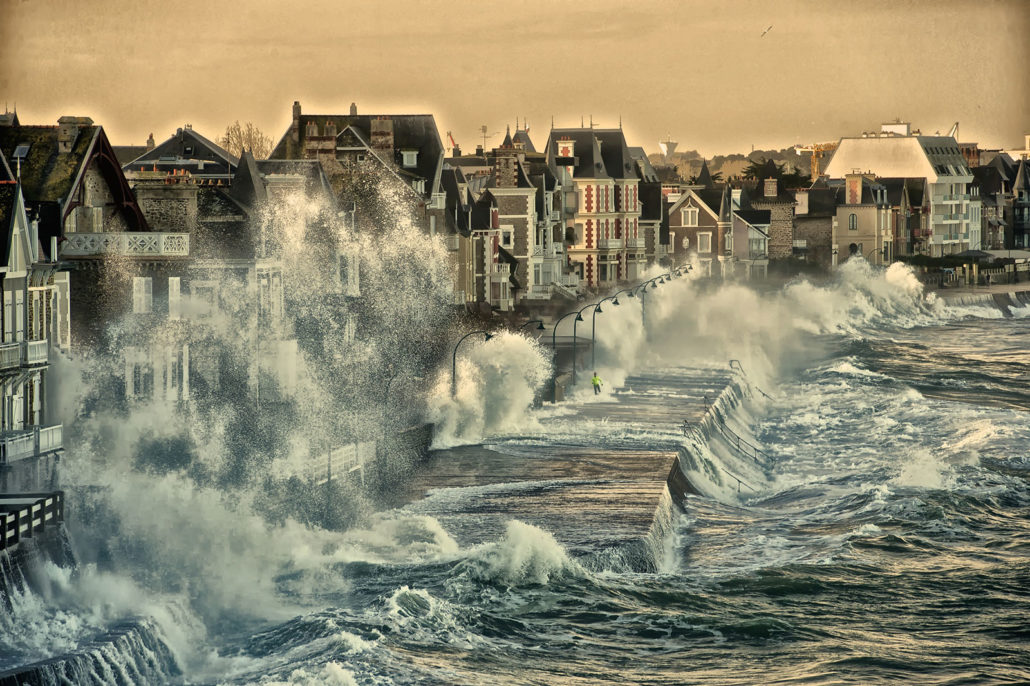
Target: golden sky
x,y
701,72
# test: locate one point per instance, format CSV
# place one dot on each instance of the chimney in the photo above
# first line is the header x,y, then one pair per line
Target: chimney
x,y
353,109
68,131
479,150
382,137
150,142
770,188
295,125
455,151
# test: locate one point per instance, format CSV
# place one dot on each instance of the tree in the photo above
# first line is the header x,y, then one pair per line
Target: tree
x,y
239,137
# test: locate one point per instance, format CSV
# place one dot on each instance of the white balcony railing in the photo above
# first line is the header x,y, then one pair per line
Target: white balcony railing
x,y
35,352
128,244
637,242
10,355
36,440
609,243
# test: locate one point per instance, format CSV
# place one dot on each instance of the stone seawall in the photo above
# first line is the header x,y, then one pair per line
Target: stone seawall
x,y
608,495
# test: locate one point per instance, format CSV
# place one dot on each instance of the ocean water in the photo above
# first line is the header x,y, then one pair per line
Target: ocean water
x,y
883,538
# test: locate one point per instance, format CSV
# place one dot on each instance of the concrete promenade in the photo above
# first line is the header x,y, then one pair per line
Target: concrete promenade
x,y
599,477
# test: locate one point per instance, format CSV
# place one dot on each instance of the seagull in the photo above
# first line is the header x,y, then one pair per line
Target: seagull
x,y
766,31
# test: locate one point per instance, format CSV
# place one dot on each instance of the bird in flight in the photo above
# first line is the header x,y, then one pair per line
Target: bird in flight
x,y
766,31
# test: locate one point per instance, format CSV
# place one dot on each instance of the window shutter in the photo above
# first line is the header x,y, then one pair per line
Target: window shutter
x,y
142,295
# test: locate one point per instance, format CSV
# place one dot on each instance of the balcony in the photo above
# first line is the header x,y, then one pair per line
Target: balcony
x,y
635,243
126,244
30,442
10,355
609,244
35,353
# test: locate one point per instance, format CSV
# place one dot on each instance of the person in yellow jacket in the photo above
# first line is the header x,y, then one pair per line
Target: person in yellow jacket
x,y
596,381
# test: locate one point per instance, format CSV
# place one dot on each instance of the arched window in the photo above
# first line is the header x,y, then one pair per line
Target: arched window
x,y
853,222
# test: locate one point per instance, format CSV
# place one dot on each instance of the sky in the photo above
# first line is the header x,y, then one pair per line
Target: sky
x,y
701,73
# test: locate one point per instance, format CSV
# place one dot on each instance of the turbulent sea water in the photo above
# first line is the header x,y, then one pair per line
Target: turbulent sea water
x,y
887,541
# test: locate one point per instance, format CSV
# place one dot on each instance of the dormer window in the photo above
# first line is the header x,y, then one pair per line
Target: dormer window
x,y
409,158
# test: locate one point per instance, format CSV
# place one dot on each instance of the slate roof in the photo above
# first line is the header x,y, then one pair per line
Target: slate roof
x,y
410,132
599,153
989,178
6,173
704,177
755,217
645,171
185,148
248,188
315,180
47,175
127,153
8,208
1022,181
823,201
522,136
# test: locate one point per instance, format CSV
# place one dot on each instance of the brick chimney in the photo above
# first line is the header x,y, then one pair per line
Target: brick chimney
x,y
382,137
68,131
150,142
353,109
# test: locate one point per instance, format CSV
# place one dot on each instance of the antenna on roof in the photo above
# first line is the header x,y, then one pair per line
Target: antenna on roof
x,y
620,122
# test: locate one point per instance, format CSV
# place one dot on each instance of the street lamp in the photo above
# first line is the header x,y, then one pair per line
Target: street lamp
x,y
538,322
554,351
579,318
454,358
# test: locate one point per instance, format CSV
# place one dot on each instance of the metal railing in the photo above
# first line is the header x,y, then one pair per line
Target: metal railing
x,y
28,514
743,446
35,352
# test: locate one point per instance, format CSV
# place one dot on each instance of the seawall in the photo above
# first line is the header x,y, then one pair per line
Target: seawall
x,y
606,481
1004,297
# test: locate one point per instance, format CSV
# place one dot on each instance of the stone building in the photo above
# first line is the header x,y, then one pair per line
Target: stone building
x,y
815,220
770,195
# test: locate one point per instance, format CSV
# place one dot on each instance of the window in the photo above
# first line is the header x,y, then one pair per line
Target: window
x,y
410,158
174,307
756,247
704,242
853,222
686,242
142,295
689,216
361,158
506,239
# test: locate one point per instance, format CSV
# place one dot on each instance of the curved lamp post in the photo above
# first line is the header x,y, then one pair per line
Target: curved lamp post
x,y
579,318
454,357
554,351
538,322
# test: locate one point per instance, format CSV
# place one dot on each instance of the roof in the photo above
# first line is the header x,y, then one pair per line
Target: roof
x,y
704,177
1022,182
315,180
248,186
187,148
48,175
651,201
644,169
930,157
823,201
410,132
522,136
127,153
8,209
598,153
6,173
755,217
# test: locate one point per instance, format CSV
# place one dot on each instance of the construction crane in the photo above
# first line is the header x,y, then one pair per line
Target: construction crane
x,y
817,150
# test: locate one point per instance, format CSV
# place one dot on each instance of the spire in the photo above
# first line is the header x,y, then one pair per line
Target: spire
x,y
1022,182
726,206
507,138
704,177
